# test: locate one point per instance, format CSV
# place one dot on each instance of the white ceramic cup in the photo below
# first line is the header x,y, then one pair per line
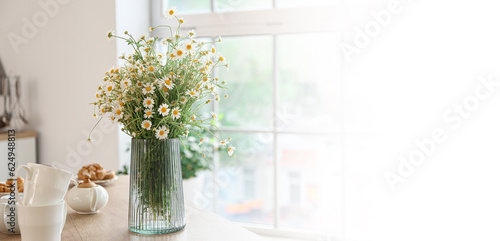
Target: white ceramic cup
x,y
9,220
42,223
44,185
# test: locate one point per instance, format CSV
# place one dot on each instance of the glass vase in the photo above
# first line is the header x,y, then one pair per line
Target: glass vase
x,y
156,203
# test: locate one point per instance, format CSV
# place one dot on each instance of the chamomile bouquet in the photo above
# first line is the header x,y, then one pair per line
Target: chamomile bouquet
x,y
159,94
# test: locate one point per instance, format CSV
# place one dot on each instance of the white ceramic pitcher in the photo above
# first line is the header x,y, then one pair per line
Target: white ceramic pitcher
x,y
44,185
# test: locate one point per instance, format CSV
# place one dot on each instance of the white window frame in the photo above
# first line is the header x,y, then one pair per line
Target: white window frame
x,y
274,22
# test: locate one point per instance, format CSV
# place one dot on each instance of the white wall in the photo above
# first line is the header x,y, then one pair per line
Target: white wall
x,y
60,65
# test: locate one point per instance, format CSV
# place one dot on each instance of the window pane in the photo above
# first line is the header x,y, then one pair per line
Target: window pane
x,y
189,6
249,81
308,84
309,182
238,5
302,3
246,180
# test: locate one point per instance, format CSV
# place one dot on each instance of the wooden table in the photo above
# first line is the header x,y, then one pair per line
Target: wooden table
x,y
111,223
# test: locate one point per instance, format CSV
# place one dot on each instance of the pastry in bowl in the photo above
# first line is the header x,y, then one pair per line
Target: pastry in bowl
x,y
96,172
5,187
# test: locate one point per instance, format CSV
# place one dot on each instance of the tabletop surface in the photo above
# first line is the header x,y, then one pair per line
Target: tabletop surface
x,y
111,223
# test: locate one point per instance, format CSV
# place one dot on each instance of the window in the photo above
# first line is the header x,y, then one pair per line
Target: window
x,y
283,112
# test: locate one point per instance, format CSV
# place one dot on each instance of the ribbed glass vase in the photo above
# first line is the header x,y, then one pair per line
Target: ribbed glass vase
x,y
156,203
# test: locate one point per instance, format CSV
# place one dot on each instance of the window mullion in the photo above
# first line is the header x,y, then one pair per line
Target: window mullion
x,y
215,109
275,136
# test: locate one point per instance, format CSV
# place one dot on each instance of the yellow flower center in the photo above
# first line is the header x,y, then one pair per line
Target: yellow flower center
x,y
179,52
148,88
97,95
164,109
176,112
146,125
213,50
139,84
172,55
221,58
162,133
189,47
148,102
183,99
110,88
146,49
148,113
151,68
192,93
171,12
122,104
167,82
165,89
118,112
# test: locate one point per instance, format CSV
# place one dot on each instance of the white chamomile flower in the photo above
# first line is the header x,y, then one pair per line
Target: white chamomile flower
x,y
230,151
133,134
193,117
176,113
226,96
163,109
189,46
192,34
178,53
183,100
149,88
168,83
110,34
148,113
125,83
109,87
213,115
186,133
118,112
165,41
148,102
102,110
220,39
170,12
202,140
162,133
192,93
224,142
146,124
217,97
221,58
